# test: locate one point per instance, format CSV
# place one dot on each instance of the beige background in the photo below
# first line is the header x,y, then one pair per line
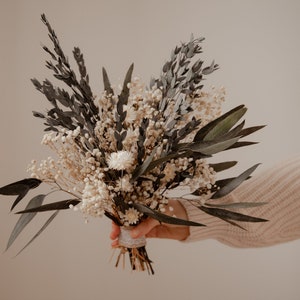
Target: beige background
x,y
257,45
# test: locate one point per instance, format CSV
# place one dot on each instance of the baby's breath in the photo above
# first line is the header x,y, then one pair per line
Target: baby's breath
x,y
121,160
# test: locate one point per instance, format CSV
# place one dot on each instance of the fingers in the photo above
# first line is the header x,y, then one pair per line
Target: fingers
x,y
115,231
151,228
144,228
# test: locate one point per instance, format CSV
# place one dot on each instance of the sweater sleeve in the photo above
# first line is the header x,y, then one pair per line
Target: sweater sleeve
x,y
280,188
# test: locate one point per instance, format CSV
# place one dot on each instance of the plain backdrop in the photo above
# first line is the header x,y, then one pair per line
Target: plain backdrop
x,y
256,43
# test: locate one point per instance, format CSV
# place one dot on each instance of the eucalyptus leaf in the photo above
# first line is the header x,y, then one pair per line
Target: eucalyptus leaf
x,y
187,129
225,125
40,231
240,144
64,204
38,115
232,223
20,188
210,69
107,85
19,198
25,218
250,130
237,205
209,148
218,167
125,91
234,183
164,218
203,132
222,182
218,184
234,131
141,169
226,214
161,160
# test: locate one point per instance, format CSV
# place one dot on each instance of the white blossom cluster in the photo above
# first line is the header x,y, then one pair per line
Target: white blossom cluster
x,y
100,176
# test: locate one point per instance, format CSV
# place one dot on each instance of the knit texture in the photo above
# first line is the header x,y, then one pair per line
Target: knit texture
x,y
280,188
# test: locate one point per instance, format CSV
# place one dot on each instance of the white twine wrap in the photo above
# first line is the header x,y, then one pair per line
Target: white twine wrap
x,y
127,241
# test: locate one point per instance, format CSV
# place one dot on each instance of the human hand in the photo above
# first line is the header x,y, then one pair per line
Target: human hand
x,y
152,228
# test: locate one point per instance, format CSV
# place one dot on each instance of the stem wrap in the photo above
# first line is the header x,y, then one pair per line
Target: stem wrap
x,y
127,241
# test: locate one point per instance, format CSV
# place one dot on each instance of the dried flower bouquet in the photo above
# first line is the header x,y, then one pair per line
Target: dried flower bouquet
x,y
120,153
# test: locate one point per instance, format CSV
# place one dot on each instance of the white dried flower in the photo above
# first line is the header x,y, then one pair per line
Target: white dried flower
x,y
131,216
121,160
124,184
131,113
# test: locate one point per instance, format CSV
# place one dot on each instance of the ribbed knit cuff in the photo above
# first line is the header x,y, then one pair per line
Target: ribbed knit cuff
x,y
279,187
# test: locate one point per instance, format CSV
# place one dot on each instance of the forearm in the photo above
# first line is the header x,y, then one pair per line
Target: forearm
x,y
280,188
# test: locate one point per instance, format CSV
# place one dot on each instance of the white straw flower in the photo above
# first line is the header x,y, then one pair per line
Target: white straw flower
x,y
131,216
131,113
120,160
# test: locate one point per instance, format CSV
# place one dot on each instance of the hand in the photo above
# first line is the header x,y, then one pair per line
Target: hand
x,y
151,228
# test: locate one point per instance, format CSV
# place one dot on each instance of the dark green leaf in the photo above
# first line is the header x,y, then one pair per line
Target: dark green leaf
x,y
234,183
161,160
218,167
213,147
225,124
20,188
64,204
241,144
219,184
162,217
187,129
234,132
141,169
82,69
38,115
210,69
237,205
19,198
250,130
203,132
25,219
106,82
125,91
40,231
232,223
222,182
226,214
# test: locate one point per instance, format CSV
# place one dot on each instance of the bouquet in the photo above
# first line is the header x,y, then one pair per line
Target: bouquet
x,y
119,154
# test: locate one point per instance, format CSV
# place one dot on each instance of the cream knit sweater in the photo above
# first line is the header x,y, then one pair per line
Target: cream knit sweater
x,y
280,188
